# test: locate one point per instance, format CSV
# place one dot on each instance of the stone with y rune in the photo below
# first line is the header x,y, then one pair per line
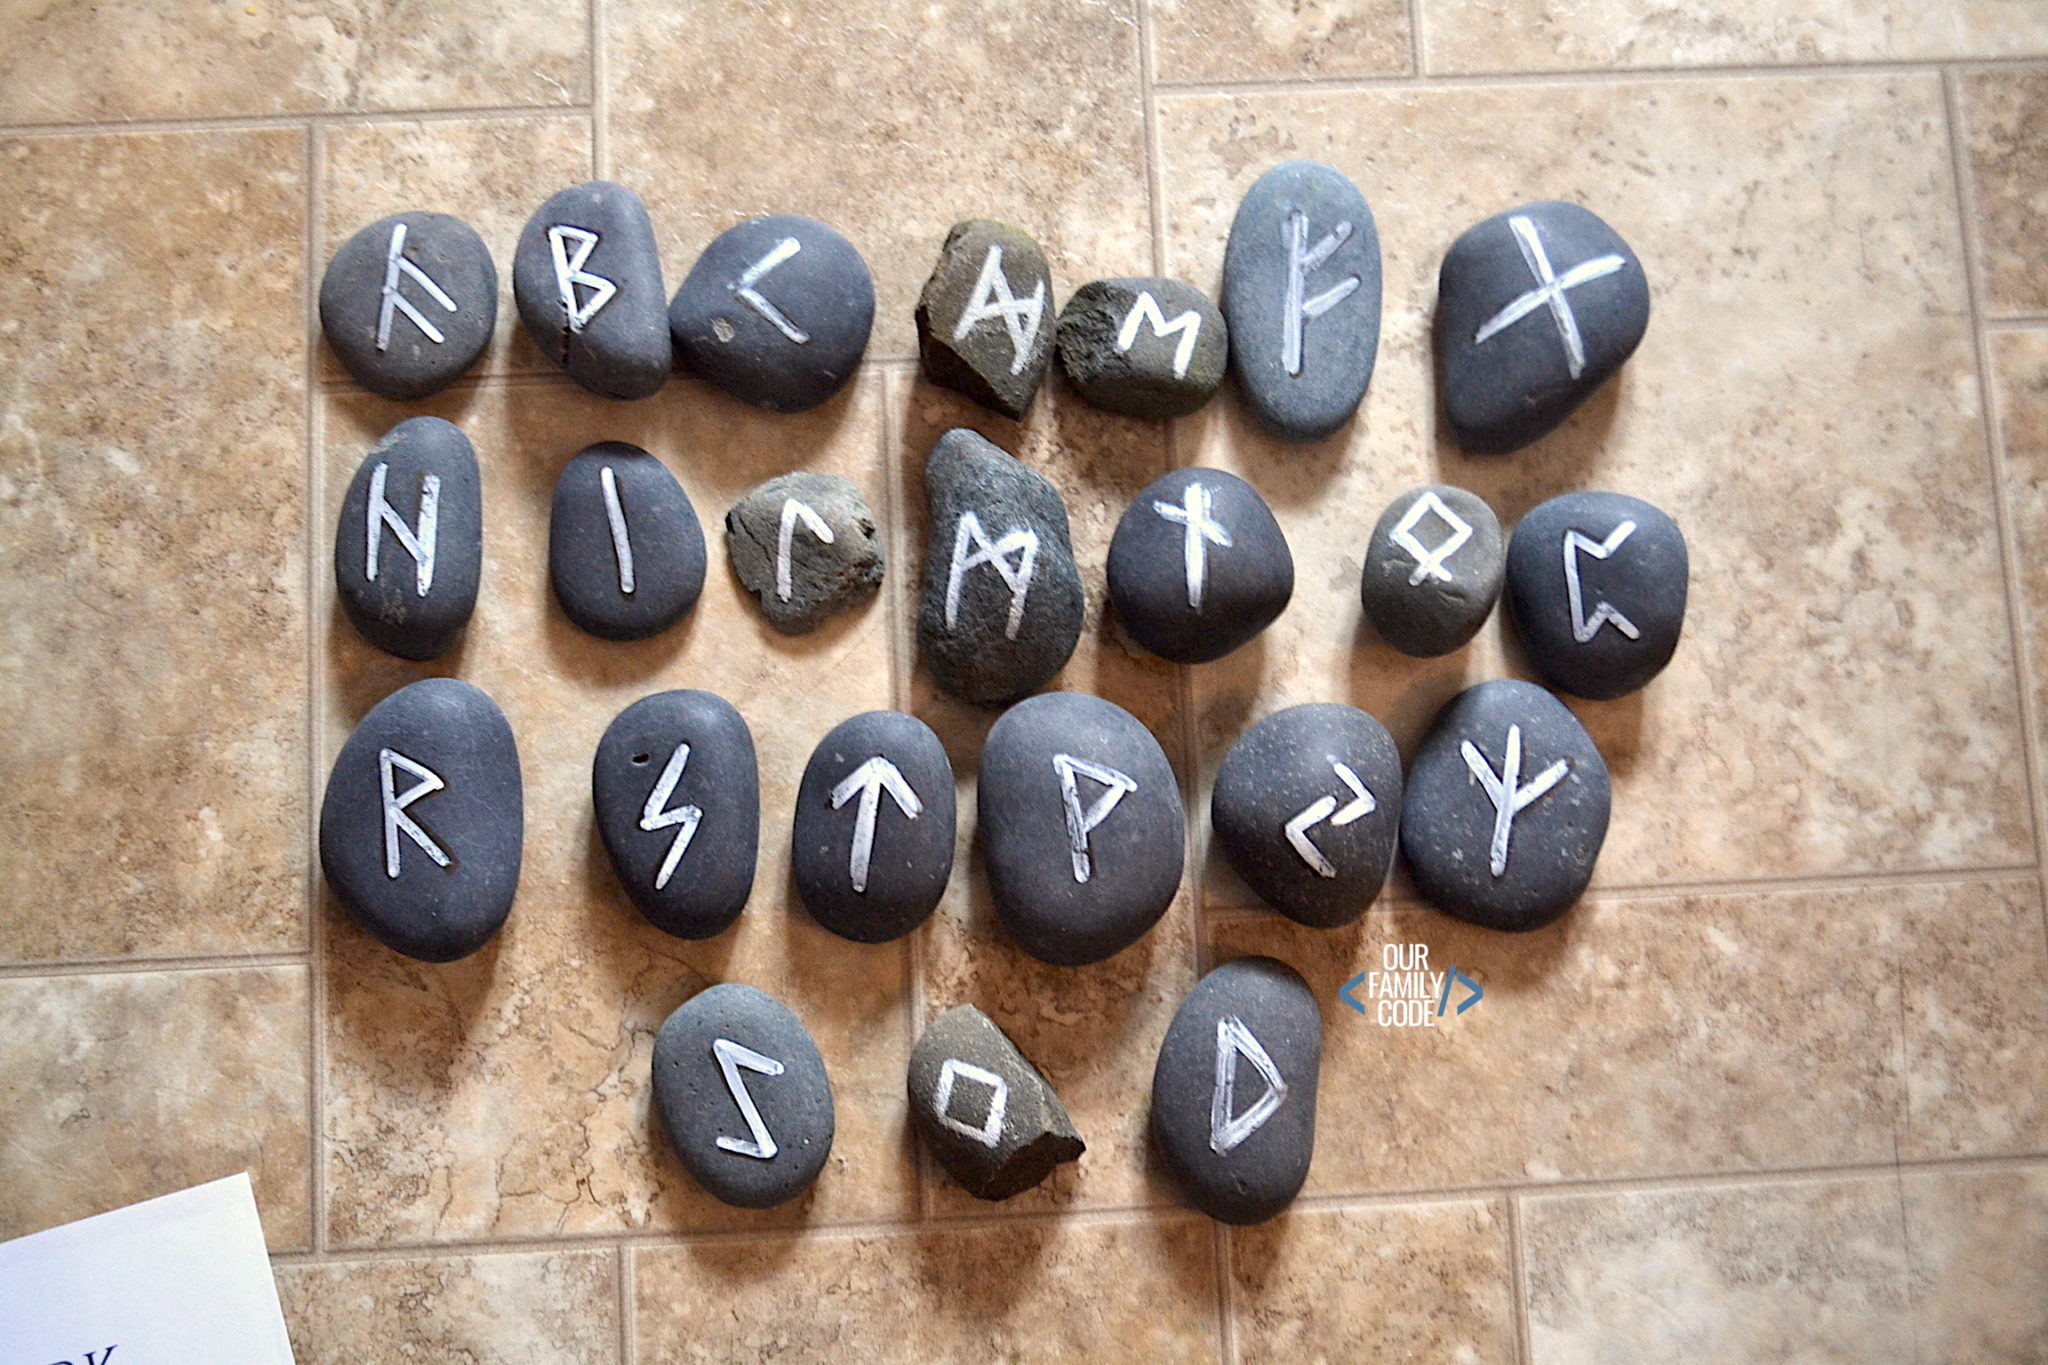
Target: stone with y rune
x,y
625,552
984,1110
1146,347
985,321
409,303
872,846
587,280
807,546
408,544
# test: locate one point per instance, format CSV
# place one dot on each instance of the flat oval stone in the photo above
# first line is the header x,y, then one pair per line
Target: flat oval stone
x,y
776,311
1198,566
984,1110
1234,1090
1535,307
1506,807
1301,291
1080,824
1002,605
873,842
1307,809
1432,570
409,543
423,823
982,320
625,552
1146,347
807,546
743,1096
1596,589
587,280
678,798
409,303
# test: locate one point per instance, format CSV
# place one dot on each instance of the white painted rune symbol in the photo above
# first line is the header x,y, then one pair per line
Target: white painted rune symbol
x,y
1302,258
622,544
752,297
395,266
1585,627
1324,808
992,298
990,1130
1227,1127
1019,540
869,781
1202,532
656,815
1188,324
569,273
793,512
1549,293
395,802
419,544
1429,563
731,1057
1510,798
1081,823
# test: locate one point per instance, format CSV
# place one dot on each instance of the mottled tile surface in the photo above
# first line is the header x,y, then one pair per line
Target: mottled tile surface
x,y
1213,40
2005,126
152,574
2019,376
121,1087
1978,1246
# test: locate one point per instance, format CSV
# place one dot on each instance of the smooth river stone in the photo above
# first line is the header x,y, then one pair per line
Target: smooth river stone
x,y
1505,744
984,1110
587,280
409,303
1307,809
409,543
1432,570
1198,566
625,552
807,546
1301,292
776,311
678,798
423,823
1535,308
985,321
1596,589
743,1096
872,847
1002,606
1146,347
1080,822
1234,1090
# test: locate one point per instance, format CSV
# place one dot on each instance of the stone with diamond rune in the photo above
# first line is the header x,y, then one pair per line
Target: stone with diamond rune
x,y
1432,570
872,845
1596,589
985,320
984,1110
587,279
1198,565
625,551
409,303
1535,309
408,545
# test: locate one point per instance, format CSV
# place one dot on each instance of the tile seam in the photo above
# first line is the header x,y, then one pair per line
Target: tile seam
x,y
229,123
600,104
316,675
1518,1279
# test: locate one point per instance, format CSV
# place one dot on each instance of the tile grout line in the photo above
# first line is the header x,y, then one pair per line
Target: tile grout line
x,y
33,971
242,123
622,1269
1518,1280
316,679
1155,190
1416,66
2016,322
600,107
1226,1307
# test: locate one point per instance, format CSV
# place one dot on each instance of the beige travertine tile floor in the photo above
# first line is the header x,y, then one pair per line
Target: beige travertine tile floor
x,y
1779,1088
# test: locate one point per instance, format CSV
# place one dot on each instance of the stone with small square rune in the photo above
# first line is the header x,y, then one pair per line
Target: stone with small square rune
x,y
807,547
1596,589
1536,308
1146,347
1198,565
985,320
1432,570
409,303
587,279
625,550
871,842
408,544
988,1115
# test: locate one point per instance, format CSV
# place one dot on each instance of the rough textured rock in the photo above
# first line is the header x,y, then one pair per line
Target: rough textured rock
x,y
985,321
587,280
984,1110
409,303
625,552
408,545
1147,347
807,546
1596,588
1198,566
872,846
1432,570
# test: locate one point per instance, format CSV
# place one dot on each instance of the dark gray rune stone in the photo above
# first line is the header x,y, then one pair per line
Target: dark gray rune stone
x,y
985,320
807,546
1301,291
1234,1090
1147,347
678,797
1198,566
984,1110
423,823
743,1096
409,543
1002,603
1080,824
1432,570
409,303
1596,589
587,280
1506,807
625,552
1535,308
873,842
776,311
1307,809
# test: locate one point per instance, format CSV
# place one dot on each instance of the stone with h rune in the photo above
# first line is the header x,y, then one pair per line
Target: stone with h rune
x,y
1597,587
1146,347
625,550
807,546
1536,308
1432,570
985,320
408,544
984,1110
409,303
1198,565
587,280
872,845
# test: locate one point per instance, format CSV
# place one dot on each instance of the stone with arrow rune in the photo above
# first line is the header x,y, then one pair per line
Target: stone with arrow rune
x,y
872,846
